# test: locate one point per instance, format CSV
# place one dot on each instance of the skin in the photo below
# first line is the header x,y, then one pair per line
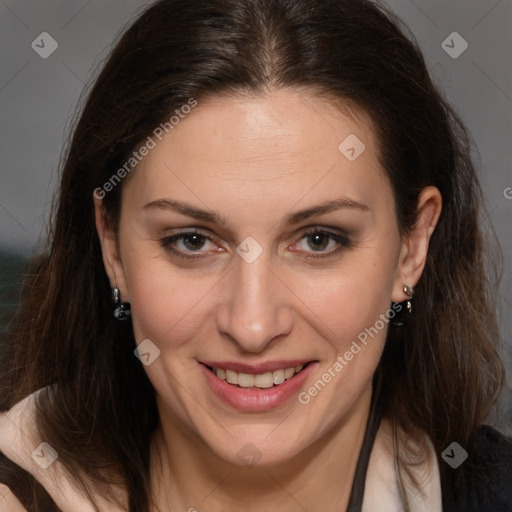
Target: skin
x,y
254,161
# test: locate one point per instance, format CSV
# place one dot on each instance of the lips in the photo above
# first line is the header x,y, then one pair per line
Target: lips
x,y
252,387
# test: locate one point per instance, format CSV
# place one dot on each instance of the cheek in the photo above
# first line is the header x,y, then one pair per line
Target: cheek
x,y
351,301
165,304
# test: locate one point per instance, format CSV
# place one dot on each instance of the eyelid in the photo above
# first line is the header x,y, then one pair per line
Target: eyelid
x,y
318,228
187,231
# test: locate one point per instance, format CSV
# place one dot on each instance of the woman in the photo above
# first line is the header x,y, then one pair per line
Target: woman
x,y
266,286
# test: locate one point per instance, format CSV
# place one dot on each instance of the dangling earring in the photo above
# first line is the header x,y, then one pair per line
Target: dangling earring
x,y
409,292
401,317
121,309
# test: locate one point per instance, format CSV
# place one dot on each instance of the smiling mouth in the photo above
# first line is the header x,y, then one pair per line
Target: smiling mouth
x,y
264,380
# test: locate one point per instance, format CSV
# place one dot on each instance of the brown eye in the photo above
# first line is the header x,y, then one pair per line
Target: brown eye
x,y
323,242
188,244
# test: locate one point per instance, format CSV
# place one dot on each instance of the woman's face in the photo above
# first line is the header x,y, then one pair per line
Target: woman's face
x,y
259,236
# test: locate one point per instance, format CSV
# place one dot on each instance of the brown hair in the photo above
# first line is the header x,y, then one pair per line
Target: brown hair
x,y
441,371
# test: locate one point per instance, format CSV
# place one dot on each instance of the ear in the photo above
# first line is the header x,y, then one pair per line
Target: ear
x,y
110,249
413,255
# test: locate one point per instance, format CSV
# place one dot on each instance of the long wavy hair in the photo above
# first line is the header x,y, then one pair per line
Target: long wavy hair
x,y
441,371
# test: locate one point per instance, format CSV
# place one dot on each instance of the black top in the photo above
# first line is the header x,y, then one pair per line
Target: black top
x,y
483,483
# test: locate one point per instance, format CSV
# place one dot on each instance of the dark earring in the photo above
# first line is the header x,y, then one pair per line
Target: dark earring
x,y
121,309
400,308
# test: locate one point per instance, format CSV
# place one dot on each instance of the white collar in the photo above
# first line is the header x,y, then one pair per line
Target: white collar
x,y
381,487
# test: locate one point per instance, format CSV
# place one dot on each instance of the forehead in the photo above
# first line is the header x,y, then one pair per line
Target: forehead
x,y
260,148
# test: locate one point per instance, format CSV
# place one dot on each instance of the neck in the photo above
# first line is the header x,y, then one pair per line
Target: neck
x,y
188,475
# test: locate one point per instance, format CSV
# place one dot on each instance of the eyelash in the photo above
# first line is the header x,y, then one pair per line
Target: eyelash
x,y
343,241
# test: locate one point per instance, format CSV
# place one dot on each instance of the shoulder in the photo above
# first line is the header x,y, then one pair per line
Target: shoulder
x,y
32,470
8,501
483,482
20,490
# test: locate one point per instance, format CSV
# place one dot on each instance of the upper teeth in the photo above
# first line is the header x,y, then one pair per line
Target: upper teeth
x,y
261,380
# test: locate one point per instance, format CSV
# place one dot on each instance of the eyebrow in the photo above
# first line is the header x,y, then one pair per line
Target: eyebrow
x,y
293,218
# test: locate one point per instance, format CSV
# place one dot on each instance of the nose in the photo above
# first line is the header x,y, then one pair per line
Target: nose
x,y
256,310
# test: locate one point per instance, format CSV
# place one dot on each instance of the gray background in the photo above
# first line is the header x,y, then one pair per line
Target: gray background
x,y
38,98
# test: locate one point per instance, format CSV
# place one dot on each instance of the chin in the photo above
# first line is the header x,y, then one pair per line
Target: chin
x,y
260,445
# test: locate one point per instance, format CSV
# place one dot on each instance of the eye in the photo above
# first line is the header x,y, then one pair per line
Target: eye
x,y
321,241
188,244
194,244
